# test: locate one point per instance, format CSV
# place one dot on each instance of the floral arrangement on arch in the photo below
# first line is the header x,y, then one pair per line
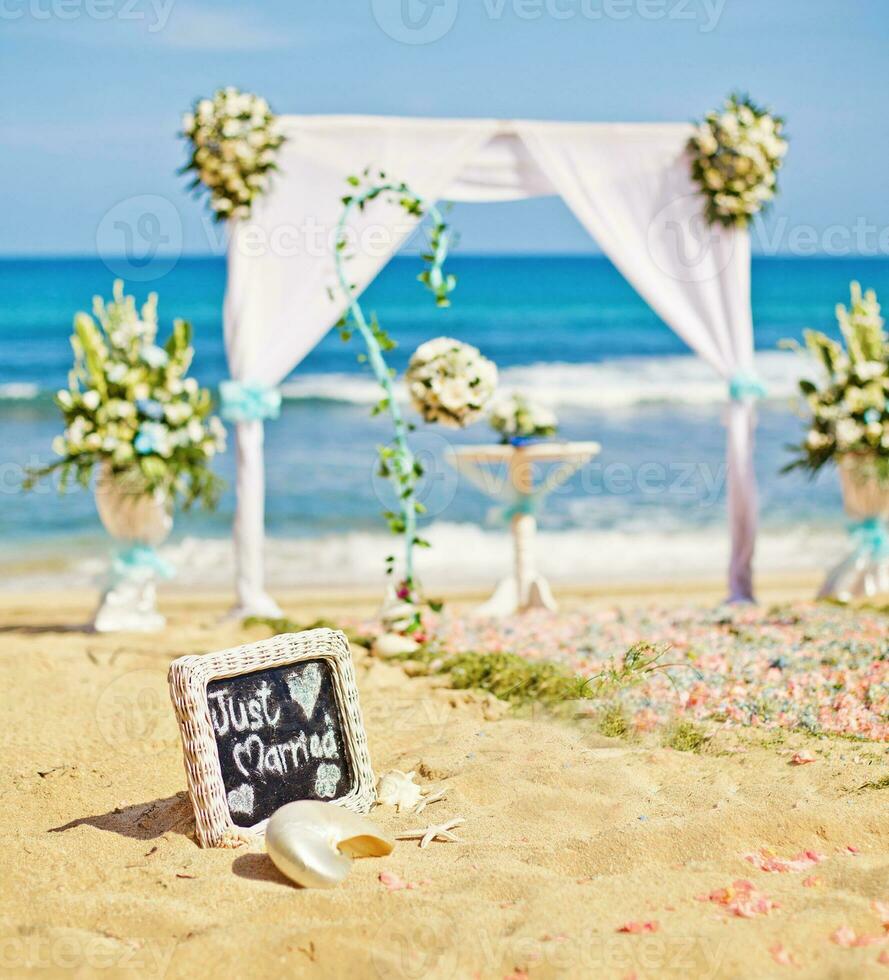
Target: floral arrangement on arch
x,y
234,145
450,382
736,155
850,405
131,406
517,418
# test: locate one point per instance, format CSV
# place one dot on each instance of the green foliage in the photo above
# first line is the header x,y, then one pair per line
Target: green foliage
x,y
685,736
513,678
613,723
634,667
881,783
283,624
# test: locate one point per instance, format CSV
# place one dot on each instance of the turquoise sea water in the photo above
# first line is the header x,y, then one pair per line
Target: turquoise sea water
x,y
569,331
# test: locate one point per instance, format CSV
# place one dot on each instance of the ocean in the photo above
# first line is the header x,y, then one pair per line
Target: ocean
x,y
568,331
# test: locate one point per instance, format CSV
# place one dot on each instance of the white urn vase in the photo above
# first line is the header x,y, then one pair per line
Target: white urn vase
x,y
138,521
865,571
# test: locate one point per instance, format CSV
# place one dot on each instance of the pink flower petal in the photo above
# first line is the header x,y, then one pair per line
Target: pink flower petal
x,y
802,758
882,910
844,936
635,928
883,958
395,884
782,956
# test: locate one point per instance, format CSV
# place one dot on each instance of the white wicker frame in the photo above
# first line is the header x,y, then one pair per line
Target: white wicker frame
x,y
188,678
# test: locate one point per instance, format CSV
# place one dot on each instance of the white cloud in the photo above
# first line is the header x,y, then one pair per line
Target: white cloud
x,y
206,29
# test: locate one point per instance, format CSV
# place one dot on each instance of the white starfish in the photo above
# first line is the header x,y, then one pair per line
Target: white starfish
x,y
430,797
439,831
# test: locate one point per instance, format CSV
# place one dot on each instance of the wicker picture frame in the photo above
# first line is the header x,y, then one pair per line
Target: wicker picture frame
x,y
188,679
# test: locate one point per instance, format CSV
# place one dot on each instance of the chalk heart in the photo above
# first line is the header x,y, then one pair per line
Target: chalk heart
x,y
304,688
326,780
240,800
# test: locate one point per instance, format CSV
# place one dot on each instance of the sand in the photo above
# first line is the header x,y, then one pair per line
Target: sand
x,y
568,835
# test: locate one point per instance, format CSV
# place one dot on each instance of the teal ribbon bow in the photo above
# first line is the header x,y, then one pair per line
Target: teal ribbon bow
x,y
245,401
137,560
525,505
744,385
871,537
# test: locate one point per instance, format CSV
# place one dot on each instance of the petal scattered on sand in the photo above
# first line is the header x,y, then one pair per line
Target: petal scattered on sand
x,y
396,884
883,958
813,881
766,861
827,687
782,956
846,936
882,910
636,928
741,899
802,758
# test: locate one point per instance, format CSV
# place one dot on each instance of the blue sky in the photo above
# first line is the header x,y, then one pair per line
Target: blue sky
x,y
94,89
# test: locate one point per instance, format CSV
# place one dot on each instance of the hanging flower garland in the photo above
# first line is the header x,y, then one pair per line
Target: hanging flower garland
x,y
397,461
234,144
735,158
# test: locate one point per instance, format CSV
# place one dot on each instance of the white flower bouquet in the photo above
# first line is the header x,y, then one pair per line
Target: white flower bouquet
x,y
849,410
450,382
518,419
130,406
736,155
234,142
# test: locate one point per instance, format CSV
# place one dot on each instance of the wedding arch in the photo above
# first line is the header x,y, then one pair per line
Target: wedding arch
x,y
630,186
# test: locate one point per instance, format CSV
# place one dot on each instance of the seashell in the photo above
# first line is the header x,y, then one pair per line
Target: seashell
x,y
313,843
398,789
393,645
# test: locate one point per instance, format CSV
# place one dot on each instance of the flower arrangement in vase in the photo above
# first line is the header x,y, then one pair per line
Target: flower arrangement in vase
x,y
848,424
132,413
519,420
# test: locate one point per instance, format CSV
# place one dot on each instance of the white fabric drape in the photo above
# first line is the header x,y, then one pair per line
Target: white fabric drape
x,y
631,189
627,184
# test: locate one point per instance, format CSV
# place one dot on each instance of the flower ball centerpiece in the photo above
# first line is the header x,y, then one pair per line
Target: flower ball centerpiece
x,y
735,158
131,411
450,382
848,424
520,420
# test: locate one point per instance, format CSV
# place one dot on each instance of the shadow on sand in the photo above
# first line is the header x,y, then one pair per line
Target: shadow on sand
x,y
141,821
259,867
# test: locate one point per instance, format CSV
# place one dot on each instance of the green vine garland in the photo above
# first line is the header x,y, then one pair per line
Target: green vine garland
x,y
397,462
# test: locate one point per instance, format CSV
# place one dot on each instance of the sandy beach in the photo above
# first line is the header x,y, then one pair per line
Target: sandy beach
x,y
569,836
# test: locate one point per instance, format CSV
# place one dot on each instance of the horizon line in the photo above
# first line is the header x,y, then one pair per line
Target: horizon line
x,y
209,256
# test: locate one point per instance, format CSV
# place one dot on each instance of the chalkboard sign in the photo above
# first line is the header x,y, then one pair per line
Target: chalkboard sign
x,y
268,723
